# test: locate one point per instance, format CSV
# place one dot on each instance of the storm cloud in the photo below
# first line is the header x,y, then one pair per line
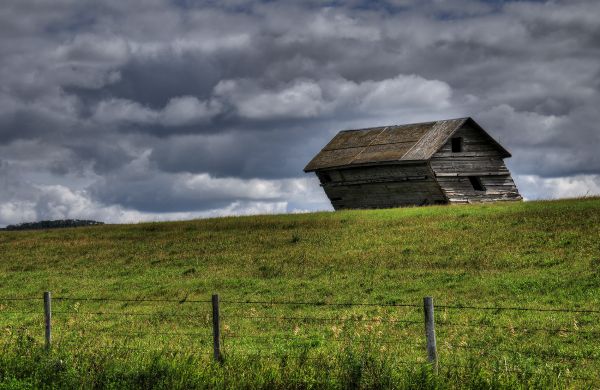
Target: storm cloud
x,y
128,111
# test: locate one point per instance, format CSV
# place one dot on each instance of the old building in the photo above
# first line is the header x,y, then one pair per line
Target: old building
x,y
448,161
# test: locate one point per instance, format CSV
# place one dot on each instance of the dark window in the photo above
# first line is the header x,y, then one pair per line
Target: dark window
x,y
325,178
476,183
457,145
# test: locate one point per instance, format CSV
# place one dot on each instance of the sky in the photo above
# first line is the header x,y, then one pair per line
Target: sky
x,y
126,111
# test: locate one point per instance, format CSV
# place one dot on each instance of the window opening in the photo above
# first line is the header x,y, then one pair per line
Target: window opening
x,y
476,183
457,145
325,178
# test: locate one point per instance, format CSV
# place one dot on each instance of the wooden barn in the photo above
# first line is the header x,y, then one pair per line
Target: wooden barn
x,y
447,161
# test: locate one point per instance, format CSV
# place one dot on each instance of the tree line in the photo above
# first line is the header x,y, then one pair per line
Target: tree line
x,y
59,223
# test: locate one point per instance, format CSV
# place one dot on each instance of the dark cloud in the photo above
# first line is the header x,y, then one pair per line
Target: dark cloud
x,y
154,81
239,153
171,109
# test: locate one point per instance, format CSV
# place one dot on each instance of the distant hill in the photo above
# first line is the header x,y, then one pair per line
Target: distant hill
x,y
59,223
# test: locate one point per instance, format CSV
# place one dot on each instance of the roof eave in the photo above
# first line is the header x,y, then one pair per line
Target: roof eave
x,y
367,164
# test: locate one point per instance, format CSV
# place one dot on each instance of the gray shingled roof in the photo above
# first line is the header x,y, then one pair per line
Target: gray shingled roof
x,y
410,142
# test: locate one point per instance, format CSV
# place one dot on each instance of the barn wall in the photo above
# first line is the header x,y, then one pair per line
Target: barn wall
x,y
480,158
381,186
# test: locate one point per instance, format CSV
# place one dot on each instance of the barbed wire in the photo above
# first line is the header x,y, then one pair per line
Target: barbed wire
x,y
305,303
21,298
94,299
397,341
309,303
323,319
131,314
516,308
519,328
160,350
21,312
154,333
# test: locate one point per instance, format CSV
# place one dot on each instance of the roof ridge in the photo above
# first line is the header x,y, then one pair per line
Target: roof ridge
x,y
430,134
405,124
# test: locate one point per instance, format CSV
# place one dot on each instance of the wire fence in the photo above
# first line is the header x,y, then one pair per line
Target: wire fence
x,y
254,326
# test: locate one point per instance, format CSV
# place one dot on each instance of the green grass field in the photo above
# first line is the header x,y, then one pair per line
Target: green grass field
x,y
539,255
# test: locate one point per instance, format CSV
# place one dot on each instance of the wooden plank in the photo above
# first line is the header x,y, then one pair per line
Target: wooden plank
x,y
379,180
384,195
471,173
497,188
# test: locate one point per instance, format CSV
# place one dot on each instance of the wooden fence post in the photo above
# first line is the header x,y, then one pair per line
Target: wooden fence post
x,y
216,327
430,333
48,318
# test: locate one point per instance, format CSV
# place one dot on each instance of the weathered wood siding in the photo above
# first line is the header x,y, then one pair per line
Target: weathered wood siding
x,y
381,186
479,158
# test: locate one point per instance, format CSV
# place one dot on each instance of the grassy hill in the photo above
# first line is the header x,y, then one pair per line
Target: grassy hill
x,y
538,255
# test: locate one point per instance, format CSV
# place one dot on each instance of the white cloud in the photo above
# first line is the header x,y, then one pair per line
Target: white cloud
x,y
300,99
333,24
312,98
205,186
524,128
187,110
60,202
17,211
403,92
93,50
123,110
48,202
141,187
209,44
558,187
182,110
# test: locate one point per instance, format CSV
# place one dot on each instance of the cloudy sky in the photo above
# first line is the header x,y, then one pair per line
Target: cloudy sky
x,y
125,111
